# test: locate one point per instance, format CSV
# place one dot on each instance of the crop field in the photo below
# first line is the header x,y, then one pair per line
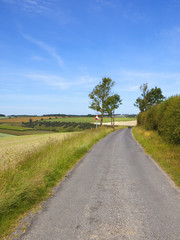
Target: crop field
x,y
90,119
3,117
13,148
22,119
11,127
5,135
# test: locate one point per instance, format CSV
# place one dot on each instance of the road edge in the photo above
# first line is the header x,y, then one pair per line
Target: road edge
x,y
171,182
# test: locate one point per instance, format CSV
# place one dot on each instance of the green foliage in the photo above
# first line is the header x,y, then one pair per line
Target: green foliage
x,y
99,96
148,97
113,103
59,126
165,118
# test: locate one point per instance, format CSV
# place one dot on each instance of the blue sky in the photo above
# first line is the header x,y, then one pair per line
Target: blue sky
x,y
53,52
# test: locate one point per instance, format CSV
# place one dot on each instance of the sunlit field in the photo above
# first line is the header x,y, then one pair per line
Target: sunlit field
x,y
91,119
22,119
13,147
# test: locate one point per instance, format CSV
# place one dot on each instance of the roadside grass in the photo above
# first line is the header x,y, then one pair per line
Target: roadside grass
x,y
24,185
166,155
89,119
13,148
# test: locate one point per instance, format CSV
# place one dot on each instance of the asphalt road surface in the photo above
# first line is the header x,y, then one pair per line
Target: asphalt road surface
x,y
116,192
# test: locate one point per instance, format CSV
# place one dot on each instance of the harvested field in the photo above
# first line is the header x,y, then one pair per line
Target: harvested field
x,y
124,123
12,149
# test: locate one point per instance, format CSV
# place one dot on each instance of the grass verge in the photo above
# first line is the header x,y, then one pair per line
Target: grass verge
x,y
28,183
165,154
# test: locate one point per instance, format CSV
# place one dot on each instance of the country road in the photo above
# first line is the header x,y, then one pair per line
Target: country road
x,y
116,192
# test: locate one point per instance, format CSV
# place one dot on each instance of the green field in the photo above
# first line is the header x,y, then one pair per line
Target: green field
x,y
89,119
2,135
3,117
12,127
23,133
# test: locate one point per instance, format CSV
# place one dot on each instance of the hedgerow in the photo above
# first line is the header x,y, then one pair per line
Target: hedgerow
x,y
165,118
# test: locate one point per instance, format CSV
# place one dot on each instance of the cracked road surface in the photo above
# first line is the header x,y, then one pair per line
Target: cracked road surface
x,y
116,192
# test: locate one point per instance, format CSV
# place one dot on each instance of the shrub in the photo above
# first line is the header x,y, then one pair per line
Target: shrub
x,y
165,118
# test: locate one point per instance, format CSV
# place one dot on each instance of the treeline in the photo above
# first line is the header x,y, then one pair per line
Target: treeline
x,y
57,126
165,118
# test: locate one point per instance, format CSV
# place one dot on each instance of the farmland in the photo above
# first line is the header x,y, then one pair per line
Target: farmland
x,y
22,119
12,127
20,126
13,148
90,119
5,135
62,119
31,165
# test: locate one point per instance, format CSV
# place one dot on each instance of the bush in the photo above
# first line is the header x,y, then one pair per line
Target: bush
x,y
165,118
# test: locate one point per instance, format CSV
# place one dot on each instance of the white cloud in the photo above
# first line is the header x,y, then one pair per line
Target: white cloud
x,y
51,80
50,50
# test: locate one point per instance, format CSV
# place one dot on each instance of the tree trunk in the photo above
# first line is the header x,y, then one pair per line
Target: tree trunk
x,y
102,114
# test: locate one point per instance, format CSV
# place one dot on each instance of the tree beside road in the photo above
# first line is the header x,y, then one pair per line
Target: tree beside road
x,y
102,100
148,97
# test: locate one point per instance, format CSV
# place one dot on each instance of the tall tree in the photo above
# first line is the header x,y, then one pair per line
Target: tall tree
x,y
99,96
148,97
113,103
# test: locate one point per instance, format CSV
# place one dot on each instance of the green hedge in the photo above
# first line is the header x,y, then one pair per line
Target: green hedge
x,y
165,118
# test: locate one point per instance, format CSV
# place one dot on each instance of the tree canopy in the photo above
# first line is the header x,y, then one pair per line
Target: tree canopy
x,y
113,103
148,97
102,100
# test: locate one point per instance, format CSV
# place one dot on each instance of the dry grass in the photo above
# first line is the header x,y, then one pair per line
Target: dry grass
x,y
12,148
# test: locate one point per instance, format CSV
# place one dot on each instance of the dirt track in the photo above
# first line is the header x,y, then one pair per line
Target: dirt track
x,y
124,123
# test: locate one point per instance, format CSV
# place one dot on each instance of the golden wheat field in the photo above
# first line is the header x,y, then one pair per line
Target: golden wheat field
x,y
12,149
23,119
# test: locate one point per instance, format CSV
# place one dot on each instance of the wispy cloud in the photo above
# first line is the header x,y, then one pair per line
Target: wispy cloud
x,y
51,80
63,84
32,5
50,50
168,81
